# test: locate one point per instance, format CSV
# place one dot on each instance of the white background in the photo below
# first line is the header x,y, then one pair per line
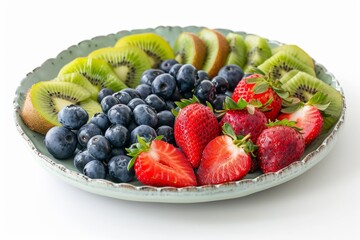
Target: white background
x,y
323,203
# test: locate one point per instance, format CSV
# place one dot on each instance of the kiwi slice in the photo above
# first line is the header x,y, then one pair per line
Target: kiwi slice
x,y
287,76
217,49
304,86
49,97
258,51
281,63
296,52
97,71
91,106
156,47
79,79
237,54
128,62
189,48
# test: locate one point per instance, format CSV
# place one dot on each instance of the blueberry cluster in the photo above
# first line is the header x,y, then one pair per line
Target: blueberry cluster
x,y
99,143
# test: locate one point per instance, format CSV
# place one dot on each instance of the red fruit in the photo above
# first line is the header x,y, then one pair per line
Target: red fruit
x,y
161,164
195,126
279,146
245,90
309,119
224,159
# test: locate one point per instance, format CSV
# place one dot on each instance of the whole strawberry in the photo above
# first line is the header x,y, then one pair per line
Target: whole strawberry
x,y
243,118
279,145
256,88
158,163
195,126
225,158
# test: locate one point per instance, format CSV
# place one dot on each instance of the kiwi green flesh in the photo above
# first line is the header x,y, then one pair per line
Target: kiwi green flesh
x,y
128,62
287,76
258,51
296,52
49,97
237,54
281,63
91,107
184,49
80,80
97,71
304,86
156,47
211,42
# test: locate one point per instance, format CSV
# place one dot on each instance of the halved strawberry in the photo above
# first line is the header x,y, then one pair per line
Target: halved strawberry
x,y
307,116
195,126
159,164
225,158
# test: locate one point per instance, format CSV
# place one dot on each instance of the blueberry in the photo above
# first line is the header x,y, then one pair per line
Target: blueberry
x,y
229,93
73,117
118,171
187,95
144,131
103,93
99,147
167,64
132,92
170,105
117,134
221,84
120,114
205,91
164,86
165,118
134,102
176,96
117,151
60,142
101,120
123,97
108,102
175,69
132,125
232,73
186,77
95,170
86,132
144,90
218,103
155,102
149,75
201,75
167,132
145,115
81,159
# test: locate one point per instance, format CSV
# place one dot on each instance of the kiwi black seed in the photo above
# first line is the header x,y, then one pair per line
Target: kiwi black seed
x,y
281,63
97,71
258,51
156,47
128,62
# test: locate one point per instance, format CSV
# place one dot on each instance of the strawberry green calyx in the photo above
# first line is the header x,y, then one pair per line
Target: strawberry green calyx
x,y
186,102
141,146
318,100
239,140
285,123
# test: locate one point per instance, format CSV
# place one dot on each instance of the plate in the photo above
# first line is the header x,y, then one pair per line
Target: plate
x,y
134,191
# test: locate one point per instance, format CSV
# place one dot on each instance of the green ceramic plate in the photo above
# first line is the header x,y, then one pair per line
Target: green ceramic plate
x,y
134,191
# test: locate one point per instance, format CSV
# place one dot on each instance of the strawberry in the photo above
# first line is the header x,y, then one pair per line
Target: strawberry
x,y
307,116
225,158
243,118
195,126
158,163
279,145
256,88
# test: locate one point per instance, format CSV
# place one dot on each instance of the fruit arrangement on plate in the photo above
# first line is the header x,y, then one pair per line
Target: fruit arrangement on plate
x,y
208,109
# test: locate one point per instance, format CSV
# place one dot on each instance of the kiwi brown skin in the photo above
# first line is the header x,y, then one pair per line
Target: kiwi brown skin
x,y
189,48
217,44
32,118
